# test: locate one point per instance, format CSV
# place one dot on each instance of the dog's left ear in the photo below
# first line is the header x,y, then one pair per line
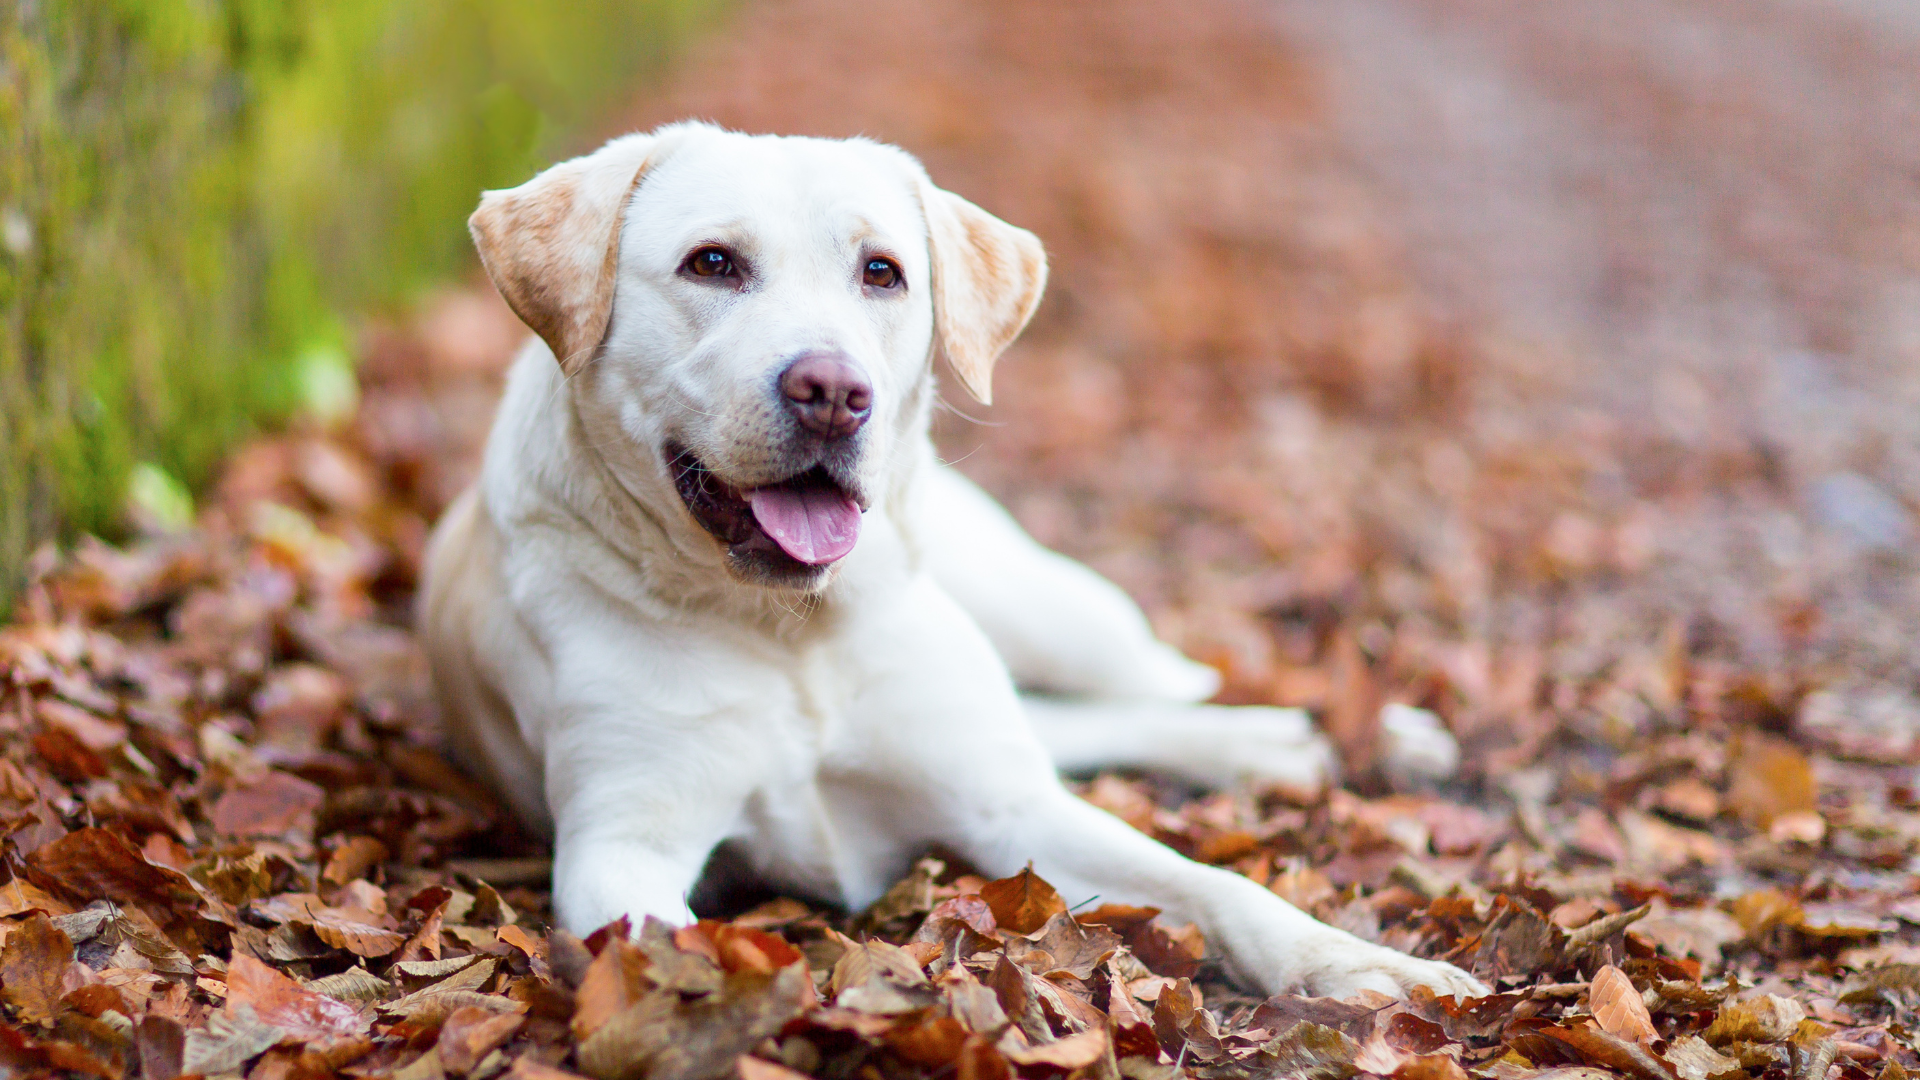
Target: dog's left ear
x,y
551,244
987,279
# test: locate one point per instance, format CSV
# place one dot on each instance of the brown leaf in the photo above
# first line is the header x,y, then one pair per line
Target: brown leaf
x,y
1076,1051
93,864
161,1043
613,981
931,1044
353,859
1599,1047
1175,953
342,928
1517,940
1472,1018
1767,1018
1699,932
1618,1007
1693,1058
1769,777
1311,1052
1414,1035
951,920
742,948
666,1037
469,1035
1281,1012
1022,903
275,805
1065,945
425,942
32,967
227,1040
277,1000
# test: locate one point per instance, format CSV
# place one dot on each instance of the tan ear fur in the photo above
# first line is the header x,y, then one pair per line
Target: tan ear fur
x,y
987,280
550,245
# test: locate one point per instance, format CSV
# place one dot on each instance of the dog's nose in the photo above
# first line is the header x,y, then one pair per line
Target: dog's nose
x,y
827,394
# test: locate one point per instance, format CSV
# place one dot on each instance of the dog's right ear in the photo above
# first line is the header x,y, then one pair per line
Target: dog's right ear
x,y
551,244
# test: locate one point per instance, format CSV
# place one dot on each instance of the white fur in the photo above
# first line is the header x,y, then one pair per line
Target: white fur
x,y
600,664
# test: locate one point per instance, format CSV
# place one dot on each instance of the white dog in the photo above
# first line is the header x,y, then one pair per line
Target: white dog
x,y
714,587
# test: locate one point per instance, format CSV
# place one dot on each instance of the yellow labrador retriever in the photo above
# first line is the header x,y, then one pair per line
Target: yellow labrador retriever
x,y
713,587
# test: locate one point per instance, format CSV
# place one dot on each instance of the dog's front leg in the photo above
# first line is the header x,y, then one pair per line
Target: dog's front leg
x,y
944,753
1266,941
638,807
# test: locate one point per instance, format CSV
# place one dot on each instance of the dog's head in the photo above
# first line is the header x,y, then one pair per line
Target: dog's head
x,y
757,317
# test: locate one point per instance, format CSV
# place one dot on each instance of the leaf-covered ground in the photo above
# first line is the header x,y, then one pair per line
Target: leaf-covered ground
x,y
1680,845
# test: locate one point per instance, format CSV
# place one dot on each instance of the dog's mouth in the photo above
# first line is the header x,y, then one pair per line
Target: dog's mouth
x,y
794,526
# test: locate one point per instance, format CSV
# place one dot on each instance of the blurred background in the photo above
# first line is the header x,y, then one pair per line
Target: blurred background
x,y
1552,365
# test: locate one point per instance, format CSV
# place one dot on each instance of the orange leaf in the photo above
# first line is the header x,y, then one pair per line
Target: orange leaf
x,y
32,967
470,1034
614,980
1022,903
1618,1007
283,1003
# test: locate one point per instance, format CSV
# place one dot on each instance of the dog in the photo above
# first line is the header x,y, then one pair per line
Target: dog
x,y
713,587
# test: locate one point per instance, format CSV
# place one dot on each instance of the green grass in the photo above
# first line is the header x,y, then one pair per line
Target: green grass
x,y
196,196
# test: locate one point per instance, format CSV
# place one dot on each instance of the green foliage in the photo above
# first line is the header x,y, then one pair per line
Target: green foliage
x,y
194,192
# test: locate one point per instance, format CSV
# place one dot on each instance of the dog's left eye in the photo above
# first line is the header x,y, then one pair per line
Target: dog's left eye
x,y
881,274
710,262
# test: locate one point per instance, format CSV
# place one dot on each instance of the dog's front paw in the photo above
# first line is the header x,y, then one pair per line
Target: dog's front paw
x,y
1362,965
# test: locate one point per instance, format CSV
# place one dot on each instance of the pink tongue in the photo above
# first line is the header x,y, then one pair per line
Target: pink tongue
x,y
815,525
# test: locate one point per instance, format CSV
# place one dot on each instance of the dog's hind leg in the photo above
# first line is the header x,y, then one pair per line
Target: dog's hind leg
x,y
1060,627
1212,745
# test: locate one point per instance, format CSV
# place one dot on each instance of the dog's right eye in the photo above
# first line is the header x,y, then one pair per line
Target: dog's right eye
x,y
710,262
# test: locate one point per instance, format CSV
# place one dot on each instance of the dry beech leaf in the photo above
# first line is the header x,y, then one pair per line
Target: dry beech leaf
x,y
1311,1051
1618,1007
1022,903
1351,1019
227,1040
33,966
1693,1059
613,981
354,858
279,1001
1070,1052
1768,1018
666,1037
468,1035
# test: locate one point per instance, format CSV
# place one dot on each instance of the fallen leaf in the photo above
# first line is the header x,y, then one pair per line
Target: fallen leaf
x,y
274,806
354,858
1022,903
1693,1059
227,1041
32,967
468,1035
1618,1008
665,1037
1768,1018
1769,777
278,1001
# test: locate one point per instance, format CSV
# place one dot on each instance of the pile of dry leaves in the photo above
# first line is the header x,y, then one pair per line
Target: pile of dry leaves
x,y
232,848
